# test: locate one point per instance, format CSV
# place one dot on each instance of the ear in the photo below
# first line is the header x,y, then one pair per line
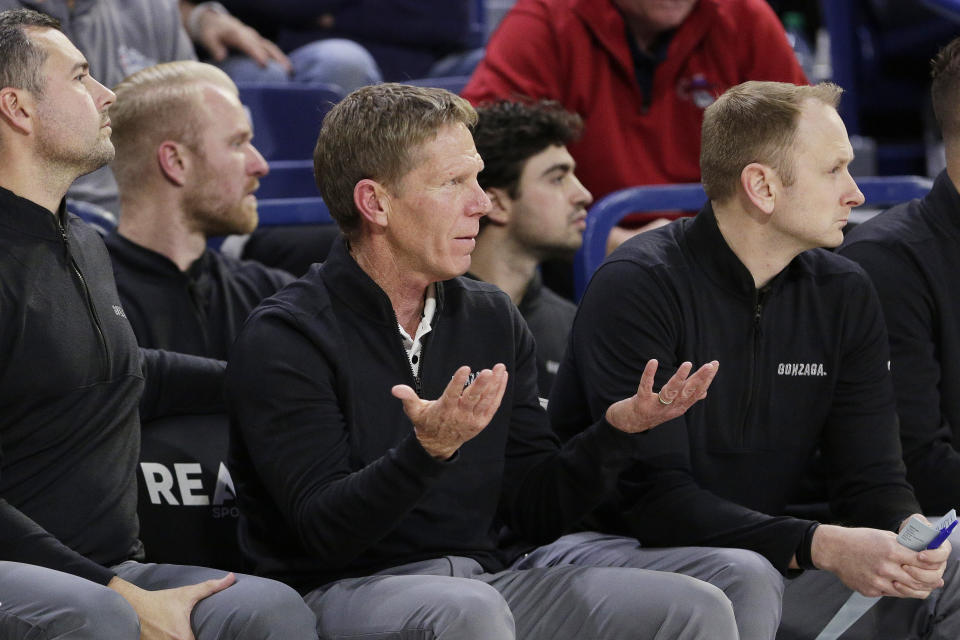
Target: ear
x,y
172,161
501,206
760,184
372,201
17,109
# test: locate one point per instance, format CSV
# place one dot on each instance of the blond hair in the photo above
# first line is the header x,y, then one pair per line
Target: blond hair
x,y
156,104
754,122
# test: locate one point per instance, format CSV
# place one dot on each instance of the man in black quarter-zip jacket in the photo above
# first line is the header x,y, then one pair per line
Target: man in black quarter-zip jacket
x,y
804,352
386,423
70,383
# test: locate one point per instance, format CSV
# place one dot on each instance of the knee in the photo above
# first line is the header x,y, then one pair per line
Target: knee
x,y
335,61
95,614
472,609
271,610
747,569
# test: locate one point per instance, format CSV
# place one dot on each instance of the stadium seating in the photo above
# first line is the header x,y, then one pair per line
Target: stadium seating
x,y
287,117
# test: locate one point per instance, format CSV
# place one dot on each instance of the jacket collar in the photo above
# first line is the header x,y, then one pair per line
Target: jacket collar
x,y
28,217
710,249
943,204
150,261
345,279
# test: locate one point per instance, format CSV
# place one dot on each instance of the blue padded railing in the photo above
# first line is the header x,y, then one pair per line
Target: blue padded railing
x,y
288,179
608,211
287,211
287,117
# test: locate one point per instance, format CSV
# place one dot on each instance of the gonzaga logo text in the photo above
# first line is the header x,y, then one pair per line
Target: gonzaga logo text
x,y
801,369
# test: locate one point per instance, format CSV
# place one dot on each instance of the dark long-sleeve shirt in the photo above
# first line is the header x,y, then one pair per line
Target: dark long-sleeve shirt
x,y
803,364
199,311
70,382
912,253
331,478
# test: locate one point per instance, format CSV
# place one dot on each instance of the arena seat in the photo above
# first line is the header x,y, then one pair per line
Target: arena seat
x,y
288,179
287,117
287,211
186,500
609,210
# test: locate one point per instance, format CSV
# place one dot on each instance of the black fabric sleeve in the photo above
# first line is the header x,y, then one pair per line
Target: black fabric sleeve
x,y
617,330
548,489
336,510
23,540
178,383
861,440
933,462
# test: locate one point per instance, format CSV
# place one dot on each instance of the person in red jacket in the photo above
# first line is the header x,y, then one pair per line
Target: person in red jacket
x,y
639,73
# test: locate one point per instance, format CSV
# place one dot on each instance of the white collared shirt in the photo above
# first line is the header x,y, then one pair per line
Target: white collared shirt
x,y
413,345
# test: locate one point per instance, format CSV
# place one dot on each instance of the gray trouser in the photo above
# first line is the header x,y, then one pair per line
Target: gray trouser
x,y
546,596
38,603
748,579
811,600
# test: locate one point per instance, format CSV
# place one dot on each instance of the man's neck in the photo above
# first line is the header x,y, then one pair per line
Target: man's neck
x,y
44,185
405,290
762,252
145,222
499,261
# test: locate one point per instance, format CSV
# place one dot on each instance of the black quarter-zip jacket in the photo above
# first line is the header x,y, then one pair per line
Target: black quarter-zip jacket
x,y
198,311
331,478
803,364
70,383
912,253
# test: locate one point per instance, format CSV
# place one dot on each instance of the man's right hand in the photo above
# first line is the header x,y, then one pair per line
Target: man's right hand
x,y
165,614
442,425
873,563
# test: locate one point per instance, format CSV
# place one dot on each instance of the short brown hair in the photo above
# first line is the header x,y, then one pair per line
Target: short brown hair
x,y
945,90
21,61
754,122
372,133
156,104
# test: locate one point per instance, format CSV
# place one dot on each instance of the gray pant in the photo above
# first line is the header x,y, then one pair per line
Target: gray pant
x,y
811,600
42,604
585,586
748,579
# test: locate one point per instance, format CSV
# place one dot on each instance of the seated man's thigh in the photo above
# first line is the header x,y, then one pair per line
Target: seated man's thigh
x,y
411,607
252,607
614,603
812,599
41,604
748,579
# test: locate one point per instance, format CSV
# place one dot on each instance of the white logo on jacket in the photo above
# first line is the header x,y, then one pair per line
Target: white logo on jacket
x,y
801,369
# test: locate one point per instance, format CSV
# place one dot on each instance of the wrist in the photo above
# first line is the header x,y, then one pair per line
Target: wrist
x,y
824,542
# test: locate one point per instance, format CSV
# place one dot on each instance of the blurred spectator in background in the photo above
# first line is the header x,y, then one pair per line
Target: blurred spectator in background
x,y
639,72
408,38
182,180
538,211
336,61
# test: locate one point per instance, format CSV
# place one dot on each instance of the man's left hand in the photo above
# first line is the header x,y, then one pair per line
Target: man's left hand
x,y
219,32
647,409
